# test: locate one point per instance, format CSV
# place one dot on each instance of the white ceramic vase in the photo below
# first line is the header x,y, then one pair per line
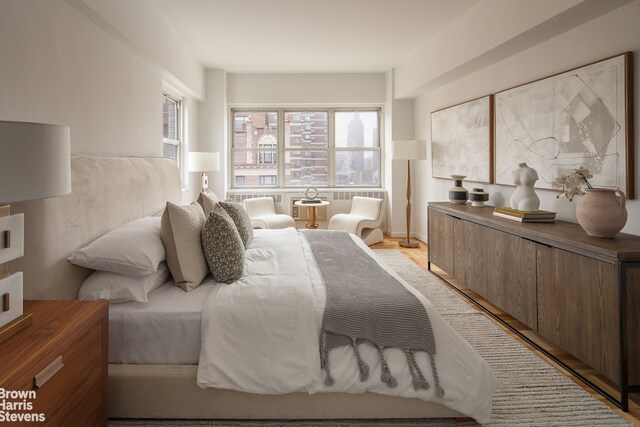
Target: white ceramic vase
x,y
524,198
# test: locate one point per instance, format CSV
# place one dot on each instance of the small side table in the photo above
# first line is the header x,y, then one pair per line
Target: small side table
x,y
311,211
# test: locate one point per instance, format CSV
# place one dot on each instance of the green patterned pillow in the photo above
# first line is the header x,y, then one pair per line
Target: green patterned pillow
x,y
223,247
241,218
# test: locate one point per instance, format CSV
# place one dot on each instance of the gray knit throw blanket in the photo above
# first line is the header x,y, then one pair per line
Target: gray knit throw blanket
x,y
365,303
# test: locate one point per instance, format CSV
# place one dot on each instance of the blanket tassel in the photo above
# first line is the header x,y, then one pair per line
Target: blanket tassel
x,y
324,361
436,379
385,375
419,381
364,368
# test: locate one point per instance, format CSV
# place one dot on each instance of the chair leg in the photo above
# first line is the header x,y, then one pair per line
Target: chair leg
x,y
371,236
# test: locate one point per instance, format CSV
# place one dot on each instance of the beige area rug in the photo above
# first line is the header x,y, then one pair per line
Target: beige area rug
x,y
530,391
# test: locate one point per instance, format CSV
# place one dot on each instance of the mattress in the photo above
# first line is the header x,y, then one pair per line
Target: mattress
x,y
163,331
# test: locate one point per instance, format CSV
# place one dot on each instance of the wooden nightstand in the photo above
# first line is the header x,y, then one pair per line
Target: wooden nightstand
x,y
63,358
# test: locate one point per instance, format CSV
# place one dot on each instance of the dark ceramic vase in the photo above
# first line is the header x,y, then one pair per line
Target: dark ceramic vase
x,y
477,197
458,194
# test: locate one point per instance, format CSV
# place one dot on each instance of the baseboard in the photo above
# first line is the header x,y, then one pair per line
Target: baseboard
x,y
400,234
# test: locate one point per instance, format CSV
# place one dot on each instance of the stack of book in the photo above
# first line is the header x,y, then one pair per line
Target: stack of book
x,y
525,216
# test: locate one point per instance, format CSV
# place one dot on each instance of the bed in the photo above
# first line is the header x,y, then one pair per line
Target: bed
x,y
157,378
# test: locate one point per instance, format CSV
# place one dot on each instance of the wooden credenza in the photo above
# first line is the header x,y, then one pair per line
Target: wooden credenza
x,y
58,365
579,292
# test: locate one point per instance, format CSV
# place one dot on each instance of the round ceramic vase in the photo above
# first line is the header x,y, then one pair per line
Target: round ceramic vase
x,y
602,212
458,194
477,197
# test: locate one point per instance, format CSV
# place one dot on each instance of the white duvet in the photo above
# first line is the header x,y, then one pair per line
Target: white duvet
x,y
260,335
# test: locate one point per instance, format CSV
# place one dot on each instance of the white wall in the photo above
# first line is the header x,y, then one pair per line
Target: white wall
x,y
491,31
334,89
59,66
140,26
403,129
213,128
610,34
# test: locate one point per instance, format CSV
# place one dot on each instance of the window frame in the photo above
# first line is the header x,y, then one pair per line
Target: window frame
x,y
331,148
180,142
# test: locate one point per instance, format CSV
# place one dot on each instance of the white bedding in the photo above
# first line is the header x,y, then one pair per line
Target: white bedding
x,y
163,331
260,335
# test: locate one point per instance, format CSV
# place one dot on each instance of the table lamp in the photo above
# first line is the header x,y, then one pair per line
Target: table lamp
x,y
409,150
35,163
204,162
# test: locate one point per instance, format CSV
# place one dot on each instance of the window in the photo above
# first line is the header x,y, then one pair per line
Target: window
x,y
324,148
267,141
171,128
357,149
268,180
255,148
306,149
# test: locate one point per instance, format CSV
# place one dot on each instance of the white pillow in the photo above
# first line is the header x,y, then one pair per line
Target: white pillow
x,y
119,288
134,248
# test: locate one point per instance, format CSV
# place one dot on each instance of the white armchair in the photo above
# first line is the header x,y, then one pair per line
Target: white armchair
x,y
363,220
262,212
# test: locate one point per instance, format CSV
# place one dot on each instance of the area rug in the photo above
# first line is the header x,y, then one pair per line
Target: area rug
x,y
530,391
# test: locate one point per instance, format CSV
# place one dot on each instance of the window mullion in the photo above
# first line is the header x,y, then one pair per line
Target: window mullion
x,y
281,157
332,148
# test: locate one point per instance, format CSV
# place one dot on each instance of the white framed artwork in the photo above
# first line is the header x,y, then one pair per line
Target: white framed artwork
x,y
576,118
462,140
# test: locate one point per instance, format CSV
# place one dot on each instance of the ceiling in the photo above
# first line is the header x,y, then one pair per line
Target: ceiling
x,y
287,36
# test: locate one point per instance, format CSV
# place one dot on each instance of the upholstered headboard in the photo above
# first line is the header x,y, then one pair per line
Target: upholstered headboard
x,y
106,192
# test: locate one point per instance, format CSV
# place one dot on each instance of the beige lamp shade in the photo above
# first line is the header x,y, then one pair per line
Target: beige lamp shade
x,y
409,150
204,162
35,161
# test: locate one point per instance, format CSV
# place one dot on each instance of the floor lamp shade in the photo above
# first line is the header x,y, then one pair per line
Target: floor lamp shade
x,y
35,161
409,150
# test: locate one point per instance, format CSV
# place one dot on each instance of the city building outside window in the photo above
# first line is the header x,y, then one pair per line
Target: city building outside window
x,y
255,148
322,148
268,179
357,145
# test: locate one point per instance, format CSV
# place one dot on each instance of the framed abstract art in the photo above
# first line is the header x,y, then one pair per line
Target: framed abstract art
x,y
581,117
462,140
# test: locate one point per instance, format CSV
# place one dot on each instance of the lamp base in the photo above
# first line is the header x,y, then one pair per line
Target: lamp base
x,y
15,326
406,244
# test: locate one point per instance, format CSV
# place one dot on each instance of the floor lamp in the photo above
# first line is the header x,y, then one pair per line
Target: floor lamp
x,y
35,163
409,150
200,161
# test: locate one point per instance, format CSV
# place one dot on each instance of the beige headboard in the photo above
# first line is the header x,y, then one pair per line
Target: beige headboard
x,y
106,192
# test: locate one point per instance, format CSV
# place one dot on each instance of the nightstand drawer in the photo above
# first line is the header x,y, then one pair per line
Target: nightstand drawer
x,y
61,394
89,412
71,391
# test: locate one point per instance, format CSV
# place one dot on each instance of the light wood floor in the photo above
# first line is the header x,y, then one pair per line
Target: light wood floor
x,y
419,256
